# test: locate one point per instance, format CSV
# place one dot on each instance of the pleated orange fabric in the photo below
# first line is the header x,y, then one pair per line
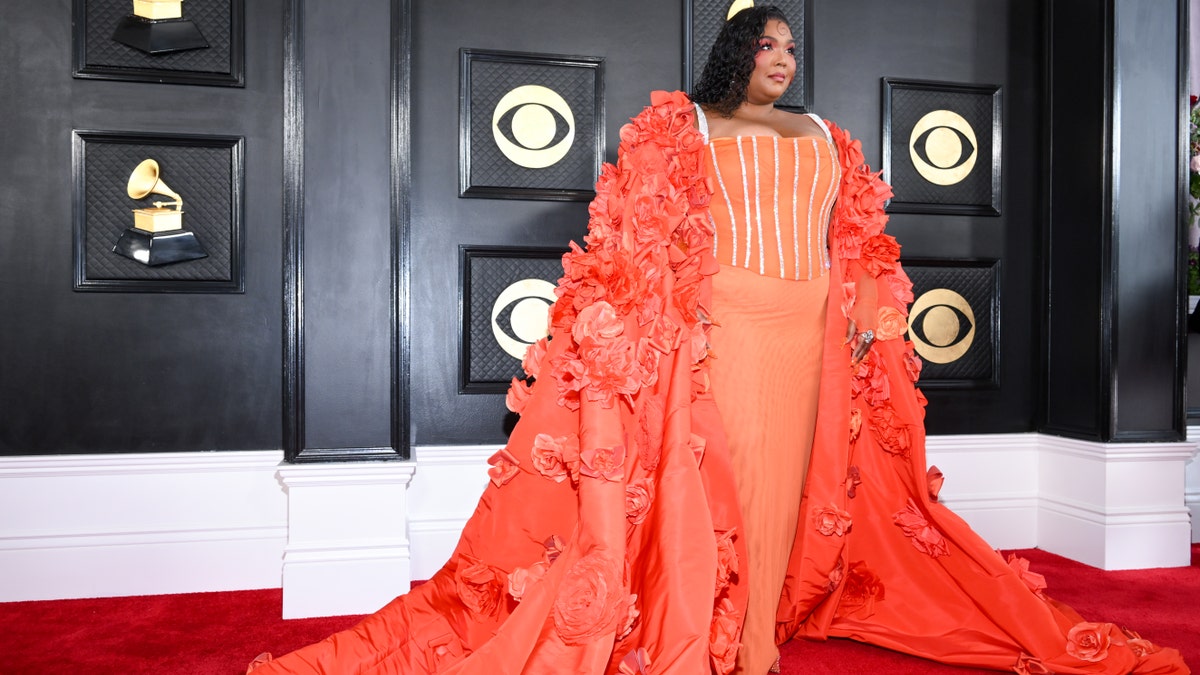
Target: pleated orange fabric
x,y
611,538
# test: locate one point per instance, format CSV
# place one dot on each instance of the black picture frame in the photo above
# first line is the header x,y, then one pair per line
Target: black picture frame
x,y
97,55
917,111
947,363
207,170
489,275
702,21
489,79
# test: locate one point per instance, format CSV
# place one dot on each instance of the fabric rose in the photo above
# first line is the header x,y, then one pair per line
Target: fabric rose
x,y
590,598
880,254
518,395
603,463
831,521
855,424
647,362
1088,641
901,287
889,430
504,467
636,662
629,617
520,579
723,642
853,480
934,479
890,324
836,576
920,533
912,362
478,588
568,372
1028,665
727,561
1140,646
863,589
870,380
650,434
1034,581
534,355
442,651
547,456
639,495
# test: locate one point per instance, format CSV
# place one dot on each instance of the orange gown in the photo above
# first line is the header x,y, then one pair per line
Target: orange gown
x,y
611,537
770,210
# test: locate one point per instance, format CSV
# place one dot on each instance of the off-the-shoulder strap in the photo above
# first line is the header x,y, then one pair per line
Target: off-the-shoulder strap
x,y
817,118
702,121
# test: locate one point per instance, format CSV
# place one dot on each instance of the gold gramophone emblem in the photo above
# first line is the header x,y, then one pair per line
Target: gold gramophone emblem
x,y
157,236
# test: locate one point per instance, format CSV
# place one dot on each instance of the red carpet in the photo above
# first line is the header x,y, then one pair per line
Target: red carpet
x,y
218,633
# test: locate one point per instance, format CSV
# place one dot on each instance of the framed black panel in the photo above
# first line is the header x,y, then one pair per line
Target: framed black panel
x,y
531,126
203,46
505,296
702,21
942,147
954,321
206,171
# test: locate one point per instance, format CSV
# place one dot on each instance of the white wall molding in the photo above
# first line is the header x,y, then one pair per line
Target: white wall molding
x,y
443,495
347,549
345,538
79,526
1114,505
1191,487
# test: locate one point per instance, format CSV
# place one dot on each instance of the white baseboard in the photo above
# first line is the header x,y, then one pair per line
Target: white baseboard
x,y
347,550
78,526
346,538
1116,505
443,495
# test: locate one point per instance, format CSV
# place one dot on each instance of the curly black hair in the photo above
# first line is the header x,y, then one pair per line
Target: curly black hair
x,y
722,86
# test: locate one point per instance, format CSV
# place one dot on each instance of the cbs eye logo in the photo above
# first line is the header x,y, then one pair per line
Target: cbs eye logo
x,y
943,147
520,315
533,126
941,325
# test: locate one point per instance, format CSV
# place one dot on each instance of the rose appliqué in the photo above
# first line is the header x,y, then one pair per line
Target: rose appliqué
x,y
831,521
920,533
639,496
478,587
605,463
890,324
1033,581
1088,641
723,641
590,599
863,589
504,467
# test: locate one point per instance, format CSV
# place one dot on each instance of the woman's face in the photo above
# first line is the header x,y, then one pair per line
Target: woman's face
x,y
774,63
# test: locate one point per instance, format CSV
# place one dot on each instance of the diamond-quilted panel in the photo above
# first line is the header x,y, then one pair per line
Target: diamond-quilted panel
x,y
963,297
212,17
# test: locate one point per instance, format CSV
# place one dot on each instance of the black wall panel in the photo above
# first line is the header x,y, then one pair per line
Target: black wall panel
x,y
979,42
640,43
148,372
130,372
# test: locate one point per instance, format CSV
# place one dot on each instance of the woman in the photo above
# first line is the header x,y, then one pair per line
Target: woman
x,y
614,536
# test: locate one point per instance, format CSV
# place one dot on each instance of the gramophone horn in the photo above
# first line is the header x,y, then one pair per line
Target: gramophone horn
x,y
144,181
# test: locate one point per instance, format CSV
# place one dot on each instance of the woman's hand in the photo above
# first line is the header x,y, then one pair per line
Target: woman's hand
x,y
860,343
